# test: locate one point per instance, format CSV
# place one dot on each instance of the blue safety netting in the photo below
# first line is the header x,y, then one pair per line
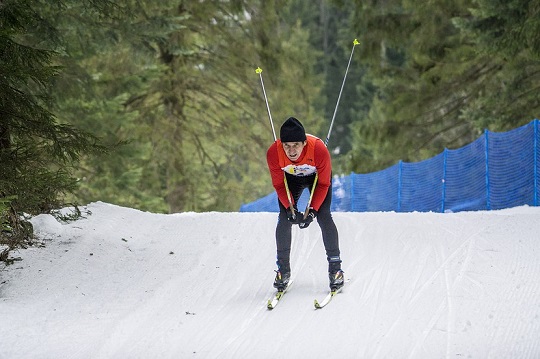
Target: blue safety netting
x,y
498,170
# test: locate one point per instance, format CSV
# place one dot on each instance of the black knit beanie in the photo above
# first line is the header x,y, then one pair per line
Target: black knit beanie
x,y
292,131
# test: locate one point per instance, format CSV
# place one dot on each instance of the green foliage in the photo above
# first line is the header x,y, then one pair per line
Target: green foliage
x,y
170,87
36,151
443,71
178,87
15,231
5,202
504,28
330,32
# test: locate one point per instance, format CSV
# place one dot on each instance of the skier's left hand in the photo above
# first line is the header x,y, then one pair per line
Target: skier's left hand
x,y
309,218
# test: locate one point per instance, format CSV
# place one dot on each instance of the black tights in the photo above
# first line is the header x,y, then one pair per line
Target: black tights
x,y
324,219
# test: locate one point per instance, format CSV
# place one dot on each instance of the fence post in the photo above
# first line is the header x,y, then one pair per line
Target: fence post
x,y
535,154
445,156
351,192
399,185
488,202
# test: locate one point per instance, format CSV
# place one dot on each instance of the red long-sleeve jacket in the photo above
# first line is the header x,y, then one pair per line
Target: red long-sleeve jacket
x,y
315,158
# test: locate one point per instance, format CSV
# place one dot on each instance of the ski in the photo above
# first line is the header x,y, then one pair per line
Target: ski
x,y
327,299
272,302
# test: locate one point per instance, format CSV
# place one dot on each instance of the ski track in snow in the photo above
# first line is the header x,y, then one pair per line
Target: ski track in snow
x,y
129,284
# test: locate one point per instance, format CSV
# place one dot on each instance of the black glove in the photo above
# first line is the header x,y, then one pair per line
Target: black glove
x,y
296,217
304,223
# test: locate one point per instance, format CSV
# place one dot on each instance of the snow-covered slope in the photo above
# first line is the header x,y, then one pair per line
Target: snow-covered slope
x,y
128,284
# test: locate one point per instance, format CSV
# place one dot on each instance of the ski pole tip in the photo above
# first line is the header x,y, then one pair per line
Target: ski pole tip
x,y
258,70
356,42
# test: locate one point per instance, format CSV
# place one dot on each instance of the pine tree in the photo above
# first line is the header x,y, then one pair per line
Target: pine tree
x,y
443,71
36,151
179,86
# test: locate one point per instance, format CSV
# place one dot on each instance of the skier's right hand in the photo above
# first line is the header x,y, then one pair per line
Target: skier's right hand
x,y
293,216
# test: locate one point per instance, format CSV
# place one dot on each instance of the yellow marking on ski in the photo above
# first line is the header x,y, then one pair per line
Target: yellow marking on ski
x,y
355,42
258,70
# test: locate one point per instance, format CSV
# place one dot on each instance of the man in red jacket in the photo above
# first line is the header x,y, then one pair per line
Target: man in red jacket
x,y
296,161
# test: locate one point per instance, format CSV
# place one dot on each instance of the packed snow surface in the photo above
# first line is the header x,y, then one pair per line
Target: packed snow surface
x,y
122,283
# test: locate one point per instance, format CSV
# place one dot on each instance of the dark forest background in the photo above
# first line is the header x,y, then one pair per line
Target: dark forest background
x,y
157,106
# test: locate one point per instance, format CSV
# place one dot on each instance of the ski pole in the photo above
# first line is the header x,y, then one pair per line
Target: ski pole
x,y
259,71
289,196
311,195
355,42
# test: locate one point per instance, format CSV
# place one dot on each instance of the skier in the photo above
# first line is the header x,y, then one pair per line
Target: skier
x,y
294,160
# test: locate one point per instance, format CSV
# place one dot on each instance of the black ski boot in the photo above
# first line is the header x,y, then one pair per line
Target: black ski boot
x,y
336,280
283,274
335,274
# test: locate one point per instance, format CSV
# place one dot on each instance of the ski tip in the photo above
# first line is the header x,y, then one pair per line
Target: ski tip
x,y
316,304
